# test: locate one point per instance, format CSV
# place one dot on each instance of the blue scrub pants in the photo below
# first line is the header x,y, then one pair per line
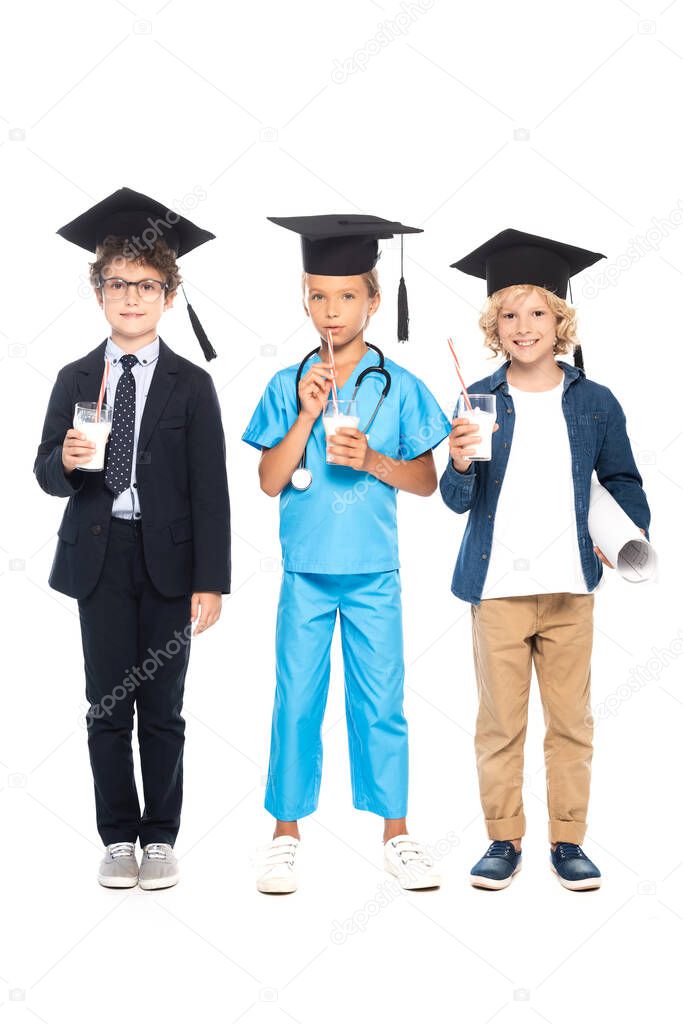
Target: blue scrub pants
x,y
369,606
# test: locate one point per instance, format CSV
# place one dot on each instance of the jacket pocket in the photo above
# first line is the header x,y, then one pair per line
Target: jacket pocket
x,y
593,425
181,530
68,531
172,421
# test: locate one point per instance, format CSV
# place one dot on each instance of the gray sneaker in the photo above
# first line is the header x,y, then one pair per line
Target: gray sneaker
x,y
159,868
119,868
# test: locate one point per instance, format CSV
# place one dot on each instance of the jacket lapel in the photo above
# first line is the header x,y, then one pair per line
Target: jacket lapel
x,y
164,380
88,373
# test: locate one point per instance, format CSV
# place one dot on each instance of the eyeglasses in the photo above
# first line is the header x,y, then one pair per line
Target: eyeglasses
x,y
149,290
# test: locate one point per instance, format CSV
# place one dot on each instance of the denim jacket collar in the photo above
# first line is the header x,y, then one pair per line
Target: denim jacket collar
x,y
571,373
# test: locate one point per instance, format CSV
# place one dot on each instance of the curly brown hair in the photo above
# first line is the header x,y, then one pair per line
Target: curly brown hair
x,y
115,252
565,318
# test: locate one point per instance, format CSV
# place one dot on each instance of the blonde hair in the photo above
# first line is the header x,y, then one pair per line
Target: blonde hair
x,y
565,318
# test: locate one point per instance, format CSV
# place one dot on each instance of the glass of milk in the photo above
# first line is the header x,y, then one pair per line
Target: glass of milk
x,y
342,413
483,413
96,429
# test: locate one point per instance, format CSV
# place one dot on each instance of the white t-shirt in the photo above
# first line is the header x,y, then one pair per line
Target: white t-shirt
x,y
535,548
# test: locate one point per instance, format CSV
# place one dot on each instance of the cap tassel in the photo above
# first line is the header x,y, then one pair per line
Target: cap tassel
x,y
402,304
578,354
578,357
207,348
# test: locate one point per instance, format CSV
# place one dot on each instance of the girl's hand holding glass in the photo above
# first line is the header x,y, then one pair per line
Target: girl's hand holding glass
x,y
349,447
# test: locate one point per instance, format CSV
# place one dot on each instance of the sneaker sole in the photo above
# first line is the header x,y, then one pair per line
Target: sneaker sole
x,y
159,883
117,883
480,882
413,884
276,887
581,885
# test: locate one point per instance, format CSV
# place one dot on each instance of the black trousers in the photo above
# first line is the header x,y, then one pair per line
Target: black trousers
x,y
136,645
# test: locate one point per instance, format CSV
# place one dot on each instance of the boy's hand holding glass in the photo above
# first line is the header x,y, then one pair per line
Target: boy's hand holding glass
x,y
462,441
77,450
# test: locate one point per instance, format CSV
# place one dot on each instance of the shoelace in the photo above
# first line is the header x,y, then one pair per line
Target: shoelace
x,y
117,850
500,848
156,851
569,850
409,853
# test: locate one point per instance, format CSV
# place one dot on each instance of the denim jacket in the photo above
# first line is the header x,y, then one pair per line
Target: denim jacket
x,y
598,441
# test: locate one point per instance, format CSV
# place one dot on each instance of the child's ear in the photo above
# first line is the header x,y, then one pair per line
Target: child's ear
x,y
170,299
98,296
374,304
306,309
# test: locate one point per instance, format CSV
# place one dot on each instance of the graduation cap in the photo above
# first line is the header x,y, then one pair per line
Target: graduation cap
x,y
515,257
142,222
340,245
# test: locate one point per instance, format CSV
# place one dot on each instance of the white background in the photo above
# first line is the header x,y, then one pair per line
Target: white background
x,y
564,121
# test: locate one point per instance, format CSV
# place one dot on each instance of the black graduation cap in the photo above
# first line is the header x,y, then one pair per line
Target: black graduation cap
x,y
338,245
516,257
142,221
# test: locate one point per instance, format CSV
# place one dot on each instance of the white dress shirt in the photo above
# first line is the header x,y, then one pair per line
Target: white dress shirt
x,y
127,504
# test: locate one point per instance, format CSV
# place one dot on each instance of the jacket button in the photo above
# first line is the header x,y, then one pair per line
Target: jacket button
x,y
134,485
497,481
505,444
484,556
490,515
96,530
509,412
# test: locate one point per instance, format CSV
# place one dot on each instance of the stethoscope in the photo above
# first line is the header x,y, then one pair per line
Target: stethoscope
x,y
302,478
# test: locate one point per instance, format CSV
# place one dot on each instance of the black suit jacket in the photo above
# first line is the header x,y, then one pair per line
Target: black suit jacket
x,y
181,478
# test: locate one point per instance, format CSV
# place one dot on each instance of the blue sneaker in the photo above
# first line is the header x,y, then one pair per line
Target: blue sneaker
x,y
573,868
497,867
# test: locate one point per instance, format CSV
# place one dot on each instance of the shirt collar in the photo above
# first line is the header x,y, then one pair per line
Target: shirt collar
x,y
146,355
571,373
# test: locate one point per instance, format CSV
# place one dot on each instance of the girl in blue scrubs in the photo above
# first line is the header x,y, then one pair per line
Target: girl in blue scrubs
x,y
340,548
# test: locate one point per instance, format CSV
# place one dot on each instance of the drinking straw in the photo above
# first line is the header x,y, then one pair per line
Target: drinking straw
x,y
330,349
103,390
457,370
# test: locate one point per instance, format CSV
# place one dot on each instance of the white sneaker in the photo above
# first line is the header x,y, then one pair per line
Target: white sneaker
x,y
118,868
408,861
277,863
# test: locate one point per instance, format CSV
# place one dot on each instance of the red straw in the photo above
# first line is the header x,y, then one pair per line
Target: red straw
x,y
457,370
103,389
330,349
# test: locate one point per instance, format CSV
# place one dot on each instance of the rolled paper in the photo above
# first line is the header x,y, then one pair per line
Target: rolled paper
x,y
619,538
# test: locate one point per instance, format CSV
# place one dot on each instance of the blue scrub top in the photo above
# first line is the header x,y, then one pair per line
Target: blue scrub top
x,y
346,521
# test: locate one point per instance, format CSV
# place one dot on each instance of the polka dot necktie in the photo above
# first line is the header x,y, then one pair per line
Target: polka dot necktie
x,y
120,453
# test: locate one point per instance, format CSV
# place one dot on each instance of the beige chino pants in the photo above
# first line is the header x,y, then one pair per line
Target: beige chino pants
x,y
556,632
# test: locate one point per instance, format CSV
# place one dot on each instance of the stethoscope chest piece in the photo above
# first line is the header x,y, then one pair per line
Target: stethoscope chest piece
x,y
302,479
